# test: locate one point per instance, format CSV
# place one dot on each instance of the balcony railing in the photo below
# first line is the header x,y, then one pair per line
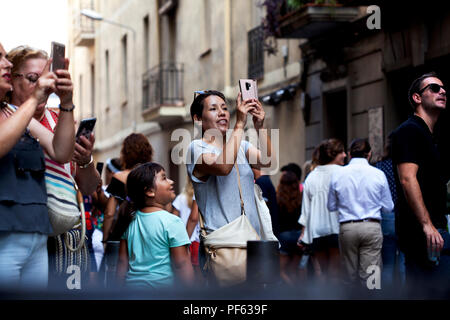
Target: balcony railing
x,y
256,53
84,29
163,86
313,19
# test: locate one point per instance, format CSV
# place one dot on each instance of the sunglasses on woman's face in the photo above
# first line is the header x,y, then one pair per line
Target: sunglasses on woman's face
x,y
32,77
434,87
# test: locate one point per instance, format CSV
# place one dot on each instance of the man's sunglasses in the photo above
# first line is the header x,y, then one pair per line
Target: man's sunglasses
x,y
434,87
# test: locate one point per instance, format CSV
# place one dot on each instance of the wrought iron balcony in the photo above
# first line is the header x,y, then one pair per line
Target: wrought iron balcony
x,y
256,53
84,30
313,20
162,91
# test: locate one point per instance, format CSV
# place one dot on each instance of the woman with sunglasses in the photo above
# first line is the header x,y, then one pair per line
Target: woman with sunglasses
x,y
28,64
211,159
24,222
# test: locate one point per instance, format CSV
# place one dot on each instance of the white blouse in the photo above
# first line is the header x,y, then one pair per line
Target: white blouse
x,y
317,220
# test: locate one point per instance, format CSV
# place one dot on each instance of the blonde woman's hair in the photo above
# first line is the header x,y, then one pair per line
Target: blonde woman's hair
x,y
20,54
188,191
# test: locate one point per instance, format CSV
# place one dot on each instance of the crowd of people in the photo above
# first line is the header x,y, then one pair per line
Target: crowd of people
x,y
344,219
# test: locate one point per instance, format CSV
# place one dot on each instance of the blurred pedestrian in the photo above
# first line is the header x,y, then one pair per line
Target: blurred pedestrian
x,y
289,200
360,193
136,149
188,210
270,197
100,200
295,168
393,259
320,227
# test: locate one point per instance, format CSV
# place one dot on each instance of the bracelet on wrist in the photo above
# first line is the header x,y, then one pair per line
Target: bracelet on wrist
x,y
67,110
84,166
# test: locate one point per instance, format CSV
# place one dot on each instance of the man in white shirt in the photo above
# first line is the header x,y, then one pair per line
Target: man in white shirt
x,y
359,192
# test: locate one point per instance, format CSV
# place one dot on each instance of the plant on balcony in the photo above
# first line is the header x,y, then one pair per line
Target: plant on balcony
x,y
276,10
298,4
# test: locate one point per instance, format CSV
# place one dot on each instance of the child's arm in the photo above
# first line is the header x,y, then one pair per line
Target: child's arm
x,y
193,219
122,265
181,263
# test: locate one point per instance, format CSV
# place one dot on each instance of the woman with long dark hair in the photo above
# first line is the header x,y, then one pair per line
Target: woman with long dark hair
x,y
289,199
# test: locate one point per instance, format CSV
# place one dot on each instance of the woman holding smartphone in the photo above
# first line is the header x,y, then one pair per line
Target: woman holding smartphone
x,y
211,159
28,64
24,222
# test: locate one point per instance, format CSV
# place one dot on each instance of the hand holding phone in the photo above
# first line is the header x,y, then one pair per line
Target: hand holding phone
x,y
248,88
100,167
86,128
58,53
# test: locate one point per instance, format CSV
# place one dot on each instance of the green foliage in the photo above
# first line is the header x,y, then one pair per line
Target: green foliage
x,y
297,4
294,4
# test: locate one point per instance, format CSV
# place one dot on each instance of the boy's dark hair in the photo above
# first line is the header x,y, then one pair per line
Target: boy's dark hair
x,y
360,148
139,180
328,150
416,86
197,104
293,167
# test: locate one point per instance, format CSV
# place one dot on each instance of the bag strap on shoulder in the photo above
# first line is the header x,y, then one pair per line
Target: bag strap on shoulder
x,y
202,225
240,188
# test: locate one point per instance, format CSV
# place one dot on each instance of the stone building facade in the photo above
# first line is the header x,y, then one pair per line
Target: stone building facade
x,y
360,58
137,70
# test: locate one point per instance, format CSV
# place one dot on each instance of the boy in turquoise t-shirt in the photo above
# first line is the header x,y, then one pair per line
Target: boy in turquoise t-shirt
x,y
154,248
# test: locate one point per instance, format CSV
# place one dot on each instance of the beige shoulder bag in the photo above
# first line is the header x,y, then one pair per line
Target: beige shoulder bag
x,y
226,247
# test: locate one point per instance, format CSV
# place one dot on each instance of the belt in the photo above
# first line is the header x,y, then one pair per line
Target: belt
x,y
362,220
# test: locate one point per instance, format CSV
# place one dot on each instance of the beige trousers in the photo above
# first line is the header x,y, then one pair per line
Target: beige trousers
x,y
360,244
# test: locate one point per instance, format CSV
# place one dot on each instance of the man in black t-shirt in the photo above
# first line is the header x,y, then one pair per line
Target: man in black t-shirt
x,y
421,174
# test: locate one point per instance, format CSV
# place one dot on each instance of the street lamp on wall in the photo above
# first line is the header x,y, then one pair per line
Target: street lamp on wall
x,y
91,14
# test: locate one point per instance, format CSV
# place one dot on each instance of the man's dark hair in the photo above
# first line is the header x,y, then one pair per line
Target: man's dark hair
x,y
417,85
197,104
360,148
293,167
139,180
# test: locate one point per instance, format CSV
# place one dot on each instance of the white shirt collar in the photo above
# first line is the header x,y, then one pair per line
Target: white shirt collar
x,y
362,161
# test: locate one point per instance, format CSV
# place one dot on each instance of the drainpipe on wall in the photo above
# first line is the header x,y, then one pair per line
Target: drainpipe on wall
x,y
229,92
